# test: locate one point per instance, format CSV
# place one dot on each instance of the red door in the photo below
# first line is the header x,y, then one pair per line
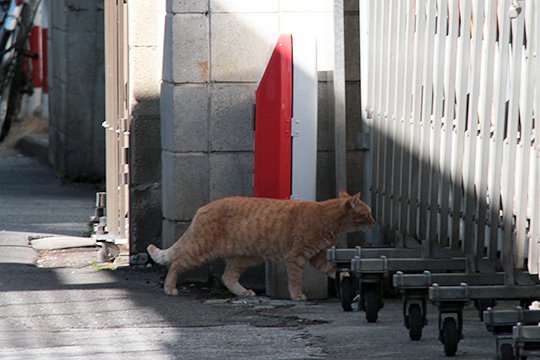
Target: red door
x,y
273,112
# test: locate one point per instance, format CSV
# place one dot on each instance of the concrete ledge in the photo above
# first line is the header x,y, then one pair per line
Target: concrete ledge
x,y
61,242
18,255
15,248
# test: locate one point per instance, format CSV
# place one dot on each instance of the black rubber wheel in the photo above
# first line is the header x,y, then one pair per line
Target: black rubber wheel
x,y
450,336
506,352
415,322
371,304
347,293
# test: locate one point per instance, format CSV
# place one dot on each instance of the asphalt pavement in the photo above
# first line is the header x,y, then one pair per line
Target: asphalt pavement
x,y
61,304
32,199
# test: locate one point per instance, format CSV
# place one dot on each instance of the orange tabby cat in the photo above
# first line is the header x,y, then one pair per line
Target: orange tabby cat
x,y
246,231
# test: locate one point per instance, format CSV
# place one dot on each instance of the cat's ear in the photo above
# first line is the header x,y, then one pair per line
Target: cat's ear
x,y
343,193
355,201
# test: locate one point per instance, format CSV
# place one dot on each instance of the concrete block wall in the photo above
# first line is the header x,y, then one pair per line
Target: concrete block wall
x,y
214,54
76,89
145,54
355,176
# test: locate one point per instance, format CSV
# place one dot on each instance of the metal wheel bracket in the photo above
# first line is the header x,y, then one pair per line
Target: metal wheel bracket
x,y
502,344
526,340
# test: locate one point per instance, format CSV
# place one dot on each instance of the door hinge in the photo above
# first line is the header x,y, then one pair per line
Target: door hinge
x,y
295,127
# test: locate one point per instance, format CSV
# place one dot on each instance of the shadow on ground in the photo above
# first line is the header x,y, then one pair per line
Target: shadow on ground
x,y
79,311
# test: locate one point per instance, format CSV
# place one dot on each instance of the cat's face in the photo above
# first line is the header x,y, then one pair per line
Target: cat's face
x,y
359,212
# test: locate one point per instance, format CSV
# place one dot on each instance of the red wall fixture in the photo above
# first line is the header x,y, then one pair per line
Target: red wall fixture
x,y
273,113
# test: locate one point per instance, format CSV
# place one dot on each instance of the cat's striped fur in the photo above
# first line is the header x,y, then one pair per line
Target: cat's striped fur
x,y
246,231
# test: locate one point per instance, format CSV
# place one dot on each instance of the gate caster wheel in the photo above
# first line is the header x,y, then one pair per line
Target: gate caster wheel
x,y
450,336
415,322
371,304
347,293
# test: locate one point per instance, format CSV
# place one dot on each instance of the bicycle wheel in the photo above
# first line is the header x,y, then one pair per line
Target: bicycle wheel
x,y
14,79
10,101
4,100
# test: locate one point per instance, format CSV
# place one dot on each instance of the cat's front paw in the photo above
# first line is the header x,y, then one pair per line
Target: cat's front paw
x,y
248,293
171,291
300,297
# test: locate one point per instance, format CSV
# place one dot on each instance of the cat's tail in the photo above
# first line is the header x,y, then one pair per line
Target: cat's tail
x,y
159,256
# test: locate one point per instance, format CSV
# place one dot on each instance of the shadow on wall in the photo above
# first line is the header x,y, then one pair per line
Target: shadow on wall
x,y
418,203
145,198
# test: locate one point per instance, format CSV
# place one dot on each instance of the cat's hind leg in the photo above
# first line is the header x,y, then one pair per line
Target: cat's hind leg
x,y
171,279
184,261
234,269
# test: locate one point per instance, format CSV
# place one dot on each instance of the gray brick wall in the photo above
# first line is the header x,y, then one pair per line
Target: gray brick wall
x,y
214,54
76,89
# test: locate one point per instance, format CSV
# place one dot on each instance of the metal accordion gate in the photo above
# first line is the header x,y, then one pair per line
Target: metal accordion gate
x,y
450,93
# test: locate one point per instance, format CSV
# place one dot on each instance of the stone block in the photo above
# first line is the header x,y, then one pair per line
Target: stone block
x,y
241,44
355,175
187,6
305,5
84,59
317,24
82,16
231,117
57,14
355,179
144,78
145,23
186,49
57,55
172,231
351,6
57,109
326,178
145,217
231,174
325,117
246,6
352,47
145,150
185,182
84,154
184,116
353,111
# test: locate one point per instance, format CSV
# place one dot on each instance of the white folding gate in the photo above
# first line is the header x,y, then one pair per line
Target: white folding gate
x,y
450,90
117,122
